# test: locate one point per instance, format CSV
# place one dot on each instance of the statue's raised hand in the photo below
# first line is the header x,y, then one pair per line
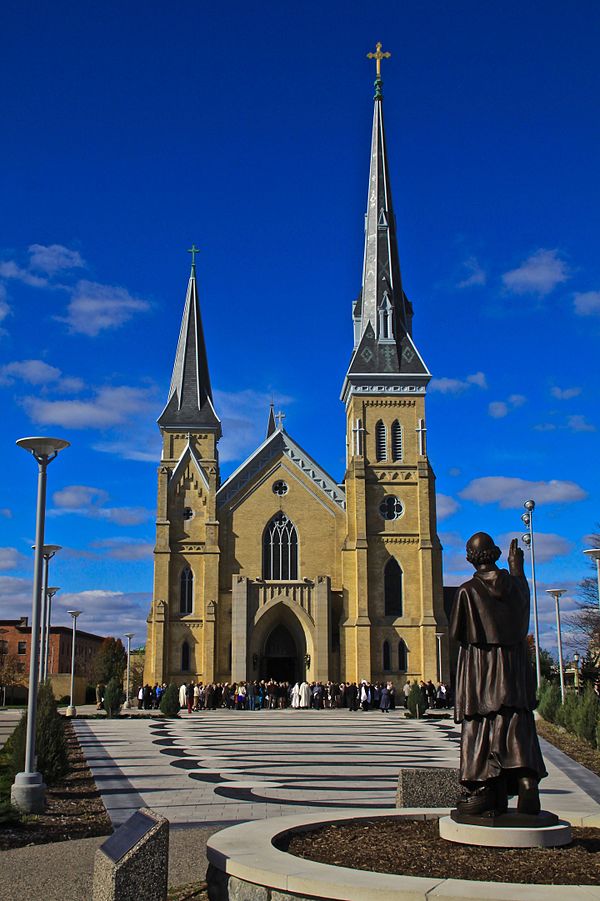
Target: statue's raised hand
x,y
516,559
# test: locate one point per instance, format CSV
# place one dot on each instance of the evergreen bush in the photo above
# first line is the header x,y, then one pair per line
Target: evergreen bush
x,y
566,715
113,697
169,703
415,703
50,741
587,716
550,701
598,733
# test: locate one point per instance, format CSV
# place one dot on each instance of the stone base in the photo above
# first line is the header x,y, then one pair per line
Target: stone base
x,y
510,820
28,793
493,835
433,786
71,711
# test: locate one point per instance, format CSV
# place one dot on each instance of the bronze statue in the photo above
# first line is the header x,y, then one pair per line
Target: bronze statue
x,y
495,685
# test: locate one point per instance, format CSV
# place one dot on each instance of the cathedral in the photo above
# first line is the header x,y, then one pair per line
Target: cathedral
x,y
281,571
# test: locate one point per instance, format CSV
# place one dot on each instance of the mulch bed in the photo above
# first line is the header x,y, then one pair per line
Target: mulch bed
x,y
196,891
414,848
74,808
575,747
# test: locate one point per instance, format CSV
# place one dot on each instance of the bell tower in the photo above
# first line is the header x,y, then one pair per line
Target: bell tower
x,y
182,620
392,569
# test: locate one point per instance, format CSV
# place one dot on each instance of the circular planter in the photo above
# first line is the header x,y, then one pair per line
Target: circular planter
x,y
244,864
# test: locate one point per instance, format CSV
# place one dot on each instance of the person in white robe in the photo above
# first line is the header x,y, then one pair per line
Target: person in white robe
x,y
182,696
304,695
296,696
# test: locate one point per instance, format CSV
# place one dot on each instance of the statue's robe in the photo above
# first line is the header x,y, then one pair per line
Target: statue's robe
x,y
495,682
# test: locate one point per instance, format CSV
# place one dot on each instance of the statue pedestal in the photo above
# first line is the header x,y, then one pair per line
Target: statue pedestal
x,y
510,830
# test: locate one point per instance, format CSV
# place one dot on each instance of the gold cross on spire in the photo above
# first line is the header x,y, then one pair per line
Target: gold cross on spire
x,y
378,56
194,250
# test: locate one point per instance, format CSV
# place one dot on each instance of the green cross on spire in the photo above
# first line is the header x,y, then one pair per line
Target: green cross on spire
x,y
194,250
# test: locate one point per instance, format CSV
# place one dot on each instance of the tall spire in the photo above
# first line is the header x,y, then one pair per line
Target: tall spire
x,y
271,427
382,313
189,402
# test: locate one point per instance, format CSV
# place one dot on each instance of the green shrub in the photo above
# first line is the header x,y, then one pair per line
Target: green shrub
x,y
566,715
50,741
169,703
550,701
598,733
415,703
113,697
587,716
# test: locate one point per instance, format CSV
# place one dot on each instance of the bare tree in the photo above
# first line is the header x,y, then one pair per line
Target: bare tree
x,y
582,625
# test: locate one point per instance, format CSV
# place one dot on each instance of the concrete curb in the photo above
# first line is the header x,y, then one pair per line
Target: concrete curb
x,y
246,853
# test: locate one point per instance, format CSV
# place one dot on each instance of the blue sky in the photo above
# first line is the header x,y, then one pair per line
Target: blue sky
x,y
130,132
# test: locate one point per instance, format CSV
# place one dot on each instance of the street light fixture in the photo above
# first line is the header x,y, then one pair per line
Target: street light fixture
x,y
48,552
557,594
28,790
439,636
50,594
128,636
71,709
528,539
594,554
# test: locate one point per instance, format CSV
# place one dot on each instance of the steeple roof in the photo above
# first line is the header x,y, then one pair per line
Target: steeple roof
x,y
189,404
271,427
382,312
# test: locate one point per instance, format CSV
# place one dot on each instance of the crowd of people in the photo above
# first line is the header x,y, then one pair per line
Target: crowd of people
x,y
268,694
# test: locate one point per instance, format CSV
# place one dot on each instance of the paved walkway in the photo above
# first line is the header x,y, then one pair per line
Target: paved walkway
x,y
8,720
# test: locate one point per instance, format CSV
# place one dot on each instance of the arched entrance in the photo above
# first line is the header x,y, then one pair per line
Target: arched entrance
x,y
281,660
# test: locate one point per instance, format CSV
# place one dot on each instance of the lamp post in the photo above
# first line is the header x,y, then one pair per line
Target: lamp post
x,y
128,636
48,552
528,539
49,594
439,636
576,659
71,709
557,594
594,554
28,790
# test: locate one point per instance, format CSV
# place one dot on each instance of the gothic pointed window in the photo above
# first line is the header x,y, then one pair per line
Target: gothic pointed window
x,y
185,657
380,441
386,328
402,656
386,657
280,549
396,441
186,591
392,588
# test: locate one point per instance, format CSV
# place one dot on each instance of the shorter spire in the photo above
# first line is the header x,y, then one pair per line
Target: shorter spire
x,y
271,427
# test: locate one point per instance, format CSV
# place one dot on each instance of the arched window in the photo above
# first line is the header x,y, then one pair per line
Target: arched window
x,y
186,590
392,588
386,657
402,656
386,330
380,441
396,440
280,549
185,657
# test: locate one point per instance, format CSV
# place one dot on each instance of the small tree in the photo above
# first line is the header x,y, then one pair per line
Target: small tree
x,y
586,720
566,715
550,701
113,697
50,741
110,661
169,703
416,703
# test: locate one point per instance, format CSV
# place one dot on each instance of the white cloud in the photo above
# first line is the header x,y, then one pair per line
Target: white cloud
x,y
244,415
564,393
579,423
54,258
500,408
6,512
4,307
538,274
15,597
587,303
85,500
35,372
124,548
545,427
109,407
476,274
548,545
517,400
94,308
511,493
106,612
445,506
447,385
11,558
10,269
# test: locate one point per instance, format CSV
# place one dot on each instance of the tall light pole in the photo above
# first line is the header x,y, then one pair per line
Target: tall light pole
x,y
28,790
576,659
439,636
128,636
528,539
557,594
594,554
49,594
48,552
71,709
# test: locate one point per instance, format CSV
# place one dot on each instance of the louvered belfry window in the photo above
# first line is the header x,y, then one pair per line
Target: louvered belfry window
x,y
386,657
392,584
280,549
381,441
186,593
396,440
402,656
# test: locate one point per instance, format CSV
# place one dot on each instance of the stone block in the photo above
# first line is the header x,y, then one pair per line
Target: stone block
x,y
434,786
134,862
240,890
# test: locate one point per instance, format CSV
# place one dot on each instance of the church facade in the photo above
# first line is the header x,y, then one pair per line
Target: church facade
x,y
280,571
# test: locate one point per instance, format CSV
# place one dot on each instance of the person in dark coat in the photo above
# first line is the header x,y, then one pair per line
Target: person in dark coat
x,y
385,702
495,684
